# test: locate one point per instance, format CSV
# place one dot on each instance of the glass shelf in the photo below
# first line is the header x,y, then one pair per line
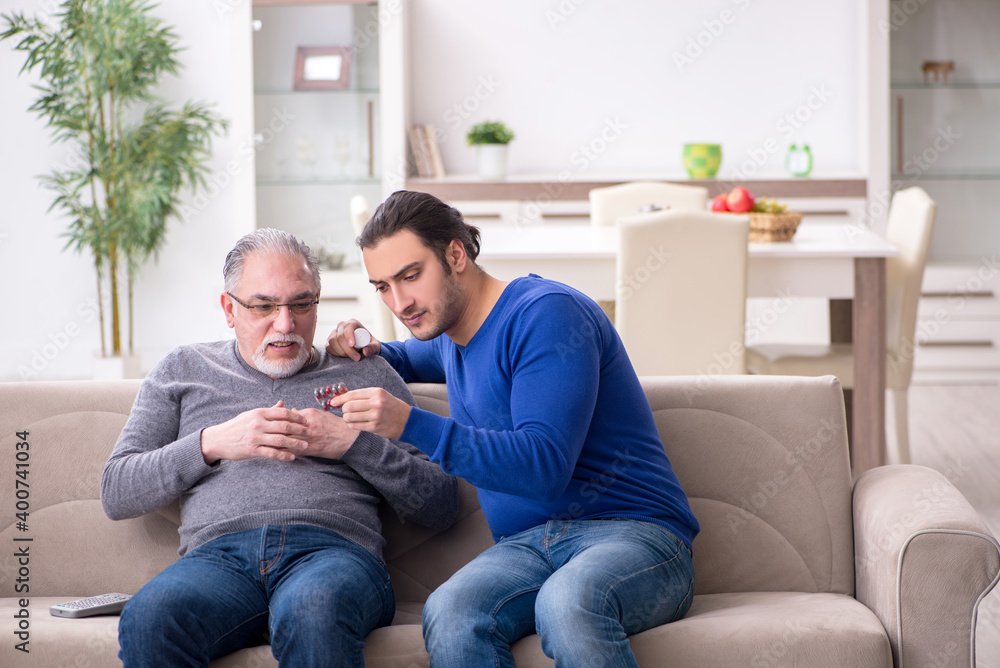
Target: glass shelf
x,y
949,135
947,176
917,85
319,181
288,91
945,133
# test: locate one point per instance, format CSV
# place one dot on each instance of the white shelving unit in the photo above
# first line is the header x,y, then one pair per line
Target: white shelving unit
x,y
315,149
946,139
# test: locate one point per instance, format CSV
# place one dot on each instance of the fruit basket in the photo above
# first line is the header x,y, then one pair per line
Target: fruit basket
x,y
773,226
769,220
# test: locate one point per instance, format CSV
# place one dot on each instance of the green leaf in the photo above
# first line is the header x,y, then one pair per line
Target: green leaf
x,y
489,132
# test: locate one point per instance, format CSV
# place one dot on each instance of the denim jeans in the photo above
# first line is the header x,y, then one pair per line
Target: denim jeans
x,y
582,585
317,593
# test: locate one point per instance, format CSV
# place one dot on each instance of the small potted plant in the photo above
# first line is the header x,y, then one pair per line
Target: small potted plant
x,y
492,138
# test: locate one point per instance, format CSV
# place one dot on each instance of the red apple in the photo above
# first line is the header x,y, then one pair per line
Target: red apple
x,y
739,200
719,203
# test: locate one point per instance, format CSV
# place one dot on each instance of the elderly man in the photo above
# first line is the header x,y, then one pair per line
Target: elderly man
x,y
549,422
279,499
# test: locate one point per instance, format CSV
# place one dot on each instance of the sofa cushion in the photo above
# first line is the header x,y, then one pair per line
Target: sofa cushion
x,y
59,641
771,489
760,629
755,629
419,560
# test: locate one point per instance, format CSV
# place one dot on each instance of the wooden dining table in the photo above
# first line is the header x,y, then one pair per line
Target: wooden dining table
x,y
836,259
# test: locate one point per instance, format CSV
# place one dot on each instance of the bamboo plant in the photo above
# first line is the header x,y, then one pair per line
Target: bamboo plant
x,y
98,68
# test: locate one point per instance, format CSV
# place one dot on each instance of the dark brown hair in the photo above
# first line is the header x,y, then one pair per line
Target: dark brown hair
x,y
435,223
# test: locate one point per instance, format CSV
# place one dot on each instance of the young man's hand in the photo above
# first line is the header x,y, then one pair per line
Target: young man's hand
x,y
273,433
374,410
341,342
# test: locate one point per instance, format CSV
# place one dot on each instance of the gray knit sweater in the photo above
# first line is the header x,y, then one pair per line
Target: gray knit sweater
x,y
158,456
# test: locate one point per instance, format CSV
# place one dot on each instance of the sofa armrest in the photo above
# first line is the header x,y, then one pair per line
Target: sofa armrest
x,y
924,560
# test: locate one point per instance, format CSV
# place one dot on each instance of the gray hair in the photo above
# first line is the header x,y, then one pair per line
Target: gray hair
x,y
265,241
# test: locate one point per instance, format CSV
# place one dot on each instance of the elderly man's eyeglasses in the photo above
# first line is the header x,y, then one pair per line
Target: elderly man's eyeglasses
x,y
267,309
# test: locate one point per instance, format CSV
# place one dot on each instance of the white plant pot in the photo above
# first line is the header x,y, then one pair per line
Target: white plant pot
x,y
117,367
493,161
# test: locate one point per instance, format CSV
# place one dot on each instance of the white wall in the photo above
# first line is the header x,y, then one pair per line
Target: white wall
x,y
592,88
589,87
50,328
634,81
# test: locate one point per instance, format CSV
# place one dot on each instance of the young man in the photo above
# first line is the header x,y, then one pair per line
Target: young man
x,y
278,499
549,422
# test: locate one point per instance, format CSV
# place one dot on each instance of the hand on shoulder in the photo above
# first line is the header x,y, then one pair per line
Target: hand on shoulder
x,y
351,339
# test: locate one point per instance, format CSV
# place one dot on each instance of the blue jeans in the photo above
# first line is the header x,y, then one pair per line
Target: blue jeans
x,y
317,593
582,585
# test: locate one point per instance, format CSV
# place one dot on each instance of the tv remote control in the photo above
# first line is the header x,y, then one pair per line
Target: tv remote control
x,y
105,604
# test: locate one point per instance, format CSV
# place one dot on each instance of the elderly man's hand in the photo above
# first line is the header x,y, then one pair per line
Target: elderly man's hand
x,y
328,435
273,433
341,342
374,410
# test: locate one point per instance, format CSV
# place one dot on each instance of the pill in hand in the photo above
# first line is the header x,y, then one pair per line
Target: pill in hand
x,y
362,337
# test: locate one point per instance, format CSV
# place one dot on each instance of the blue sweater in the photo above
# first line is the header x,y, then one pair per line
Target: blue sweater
x,y
548,419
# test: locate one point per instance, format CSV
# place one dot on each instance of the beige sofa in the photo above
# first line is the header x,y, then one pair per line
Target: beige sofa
x,y
795,565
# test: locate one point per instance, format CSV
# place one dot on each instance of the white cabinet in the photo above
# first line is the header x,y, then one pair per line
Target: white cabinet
x,y
946,139
945,74
958,323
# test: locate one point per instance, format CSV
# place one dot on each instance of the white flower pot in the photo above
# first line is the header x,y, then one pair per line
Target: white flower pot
x,y
493,161
117,367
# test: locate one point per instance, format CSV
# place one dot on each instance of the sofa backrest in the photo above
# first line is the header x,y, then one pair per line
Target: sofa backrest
x,y
765,463
763,459
75,549
419,559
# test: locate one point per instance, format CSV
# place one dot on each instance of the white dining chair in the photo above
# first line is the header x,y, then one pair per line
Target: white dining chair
x,y
361,212
910,227
680,292
610,203
382,322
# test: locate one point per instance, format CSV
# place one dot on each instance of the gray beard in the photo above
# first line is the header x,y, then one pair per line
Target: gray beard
x,y
282,368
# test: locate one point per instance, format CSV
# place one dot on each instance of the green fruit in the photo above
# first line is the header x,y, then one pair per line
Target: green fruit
x,y
768,205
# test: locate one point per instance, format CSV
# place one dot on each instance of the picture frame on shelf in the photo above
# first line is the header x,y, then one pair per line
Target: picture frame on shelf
x,y
322,68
